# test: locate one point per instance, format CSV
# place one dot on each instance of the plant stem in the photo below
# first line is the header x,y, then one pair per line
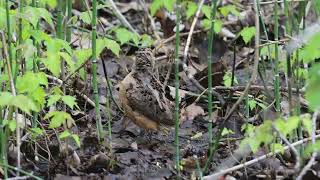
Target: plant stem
x,y
288,58
9,32
177,84
276,60
68,25
211,36
94,69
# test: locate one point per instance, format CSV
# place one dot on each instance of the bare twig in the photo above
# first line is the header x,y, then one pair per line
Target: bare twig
x,y
314,154
153,26
13,90
122,19
186,49
255,65
60,82
293,149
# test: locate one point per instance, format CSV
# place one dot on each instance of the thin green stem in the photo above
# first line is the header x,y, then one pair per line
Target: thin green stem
x,y
177,84
69,15
288,58
9,32
94,69
210,50
19,59
276,60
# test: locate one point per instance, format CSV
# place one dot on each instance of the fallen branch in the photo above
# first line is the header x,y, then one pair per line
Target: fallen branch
x,y
248,163
314,154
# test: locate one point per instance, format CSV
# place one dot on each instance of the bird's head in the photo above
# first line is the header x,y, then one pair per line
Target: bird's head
x,y
144,60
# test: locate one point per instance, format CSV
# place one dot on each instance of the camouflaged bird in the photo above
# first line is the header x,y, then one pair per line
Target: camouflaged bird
x,y
142,96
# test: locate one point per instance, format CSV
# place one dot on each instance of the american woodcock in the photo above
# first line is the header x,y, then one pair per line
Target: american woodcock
x,y
142,95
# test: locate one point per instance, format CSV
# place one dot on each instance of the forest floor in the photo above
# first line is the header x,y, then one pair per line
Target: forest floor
x,y
134,153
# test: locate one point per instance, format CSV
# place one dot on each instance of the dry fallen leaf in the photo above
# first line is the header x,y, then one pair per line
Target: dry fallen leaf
x,y
191,111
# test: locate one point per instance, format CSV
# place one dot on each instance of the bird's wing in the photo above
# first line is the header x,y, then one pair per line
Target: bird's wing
x,y
143,100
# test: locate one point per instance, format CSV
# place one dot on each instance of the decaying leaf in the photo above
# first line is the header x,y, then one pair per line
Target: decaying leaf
x,y
191,111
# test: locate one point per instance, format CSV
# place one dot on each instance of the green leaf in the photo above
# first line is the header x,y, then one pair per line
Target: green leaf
x,y
68,60
6,98
313,88
36,132
51,3
76,139
32,15
86,17
135,38
24,103
69,100
225,10
52,63
312,148
287,126
113,46
217,26
12,125
227,79
226,131
28,49
82,55
191,9
58,118
277,147
206,11
263,106
3,24
169,4
53,99
247,33
206,24
38,95
307,123
146,40
123,35
155,6
40,36
46,15
64,134
252,104
30,81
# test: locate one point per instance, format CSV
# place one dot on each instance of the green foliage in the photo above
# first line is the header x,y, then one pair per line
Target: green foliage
x,y
227,78
226,132
35,132
313,88
191,8
312,148
20,101
33,15
247,33
11,124
253,104
66,134
206,23
124,36
109,44
225,10
58,118
70,101
157,4
263,134
311,50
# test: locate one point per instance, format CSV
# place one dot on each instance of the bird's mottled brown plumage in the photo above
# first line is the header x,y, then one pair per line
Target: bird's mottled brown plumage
x,y
142,96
